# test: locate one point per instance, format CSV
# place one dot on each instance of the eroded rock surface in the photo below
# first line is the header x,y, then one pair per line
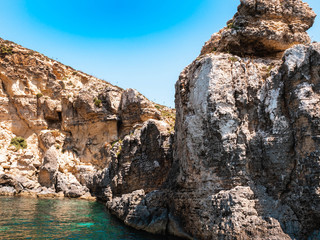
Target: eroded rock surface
x,y
243,162
70,122
246,151
264,27
247,147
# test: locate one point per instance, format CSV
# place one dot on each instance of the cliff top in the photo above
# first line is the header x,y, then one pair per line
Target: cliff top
x,y
263,28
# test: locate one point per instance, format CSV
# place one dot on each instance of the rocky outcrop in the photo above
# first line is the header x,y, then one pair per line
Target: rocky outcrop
x,y
245,149
243,162
246,131
263,27
243,153
143,159
71,127
48,170
139,169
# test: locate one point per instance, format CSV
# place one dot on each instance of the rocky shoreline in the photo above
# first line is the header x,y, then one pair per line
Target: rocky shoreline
x,y
237,159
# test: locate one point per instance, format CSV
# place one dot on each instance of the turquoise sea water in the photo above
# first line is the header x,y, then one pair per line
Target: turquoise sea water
x,y
29,218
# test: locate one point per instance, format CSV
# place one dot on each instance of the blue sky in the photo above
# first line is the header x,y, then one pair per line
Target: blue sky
x,y
142,44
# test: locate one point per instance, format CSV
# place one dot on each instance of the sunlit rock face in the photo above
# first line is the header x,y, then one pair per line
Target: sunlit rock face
x,y
246,129
245,151
73,126
264,27
242,161
247,146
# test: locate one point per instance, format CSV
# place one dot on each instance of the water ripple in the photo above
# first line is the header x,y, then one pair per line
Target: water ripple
x,y
28,218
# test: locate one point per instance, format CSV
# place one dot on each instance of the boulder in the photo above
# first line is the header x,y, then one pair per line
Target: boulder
x,y
264,28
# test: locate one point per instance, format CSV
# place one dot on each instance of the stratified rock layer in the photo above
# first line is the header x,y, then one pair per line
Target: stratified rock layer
x,y
242,164
73,125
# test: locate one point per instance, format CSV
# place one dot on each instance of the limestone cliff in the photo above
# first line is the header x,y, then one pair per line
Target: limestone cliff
x,y
247,129
59,128
243,162
246,149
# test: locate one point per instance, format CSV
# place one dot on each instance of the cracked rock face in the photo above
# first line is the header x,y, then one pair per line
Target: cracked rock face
x,y
247,146
70,122
264,27
243,162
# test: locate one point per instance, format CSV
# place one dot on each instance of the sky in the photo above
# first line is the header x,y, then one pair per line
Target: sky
x,y
142,44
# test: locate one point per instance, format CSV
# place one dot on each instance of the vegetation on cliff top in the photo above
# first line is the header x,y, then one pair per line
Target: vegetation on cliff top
x,y
168,114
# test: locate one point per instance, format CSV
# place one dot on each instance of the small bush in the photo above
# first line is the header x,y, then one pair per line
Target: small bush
x,y
233,59
19,143
119,151
157,107
39,95
97,102
117,141
232,26
270,67
5,50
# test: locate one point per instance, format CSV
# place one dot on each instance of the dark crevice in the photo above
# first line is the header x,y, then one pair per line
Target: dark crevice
x,y
286,111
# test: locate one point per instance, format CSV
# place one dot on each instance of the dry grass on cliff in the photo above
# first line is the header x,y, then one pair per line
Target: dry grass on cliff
x,y
168,114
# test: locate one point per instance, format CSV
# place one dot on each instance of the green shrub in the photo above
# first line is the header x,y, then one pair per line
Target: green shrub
x,y
5,50
233,59
117,141
97,102
157,107
39,95
119,151
232,26
19,143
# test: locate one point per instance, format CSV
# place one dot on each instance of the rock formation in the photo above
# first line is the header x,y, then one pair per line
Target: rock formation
x,y
246,129
61,128
262,28
249,150
243,162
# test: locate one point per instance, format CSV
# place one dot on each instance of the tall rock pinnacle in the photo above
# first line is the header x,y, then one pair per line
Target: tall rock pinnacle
x,y
264,28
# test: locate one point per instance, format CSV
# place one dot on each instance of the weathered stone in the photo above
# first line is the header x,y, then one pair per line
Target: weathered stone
x,y
243,163
46,140
142,211
142,160
135,109
76,129
48,170
7,180
246,144
7,191
69,185
52,110
264,27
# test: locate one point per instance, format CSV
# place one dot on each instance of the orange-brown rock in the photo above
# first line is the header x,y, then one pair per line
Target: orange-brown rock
x,y
69,121
264,28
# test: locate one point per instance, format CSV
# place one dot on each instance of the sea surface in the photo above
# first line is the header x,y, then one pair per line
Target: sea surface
x,y
31,218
